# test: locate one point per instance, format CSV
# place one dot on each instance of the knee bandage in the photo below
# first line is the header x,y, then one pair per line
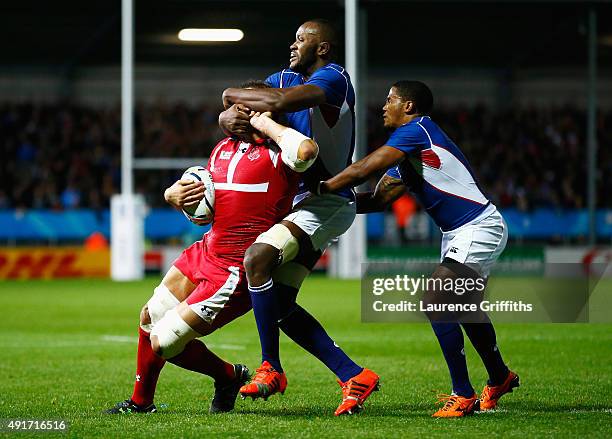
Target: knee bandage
x,y
159,304
289,144
280,237
173,334
291,274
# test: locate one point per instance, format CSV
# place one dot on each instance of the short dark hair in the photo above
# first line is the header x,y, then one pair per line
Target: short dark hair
x,y
255,83
418,93
327,33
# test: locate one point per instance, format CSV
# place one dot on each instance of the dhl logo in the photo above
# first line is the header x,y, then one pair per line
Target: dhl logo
x,y
51,263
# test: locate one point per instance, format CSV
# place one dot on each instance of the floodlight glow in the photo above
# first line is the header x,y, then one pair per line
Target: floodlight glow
x,y
210,35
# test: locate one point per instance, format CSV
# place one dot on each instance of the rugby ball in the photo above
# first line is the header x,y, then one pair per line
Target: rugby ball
x,y
202,212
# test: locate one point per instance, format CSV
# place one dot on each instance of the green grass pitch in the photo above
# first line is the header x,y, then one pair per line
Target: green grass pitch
x,y
68,352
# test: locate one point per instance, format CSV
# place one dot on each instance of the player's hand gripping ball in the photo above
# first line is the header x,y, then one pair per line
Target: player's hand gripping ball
x,y
202,212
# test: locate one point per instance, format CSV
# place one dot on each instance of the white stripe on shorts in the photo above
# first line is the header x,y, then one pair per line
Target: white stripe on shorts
x,y
208,309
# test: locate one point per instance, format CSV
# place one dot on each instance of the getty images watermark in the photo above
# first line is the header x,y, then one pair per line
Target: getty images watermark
x,y
395,292
452,287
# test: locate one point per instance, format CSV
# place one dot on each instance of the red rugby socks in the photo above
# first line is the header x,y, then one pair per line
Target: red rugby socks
x,y
148,367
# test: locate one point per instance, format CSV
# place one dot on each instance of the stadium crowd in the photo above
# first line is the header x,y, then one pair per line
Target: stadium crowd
x,y
64,155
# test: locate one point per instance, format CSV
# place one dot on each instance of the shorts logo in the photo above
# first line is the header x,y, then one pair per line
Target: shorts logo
x,y
253,155
225,155
453,250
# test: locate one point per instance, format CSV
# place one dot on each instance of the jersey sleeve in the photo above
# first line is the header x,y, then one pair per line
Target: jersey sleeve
x,y
274,80
333,83
408,138
394,173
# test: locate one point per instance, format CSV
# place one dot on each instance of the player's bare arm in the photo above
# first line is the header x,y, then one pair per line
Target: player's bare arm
x,y
276,99
183,193
387,191
380,160
298,151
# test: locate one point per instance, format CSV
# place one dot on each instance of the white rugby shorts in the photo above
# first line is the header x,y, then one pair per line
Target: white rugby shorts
x,y
323,217
478,243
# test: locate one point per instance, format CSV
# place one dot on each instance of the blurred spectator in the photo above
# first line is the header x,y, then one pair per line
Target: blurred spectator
x,y
403,209
70,197
64,155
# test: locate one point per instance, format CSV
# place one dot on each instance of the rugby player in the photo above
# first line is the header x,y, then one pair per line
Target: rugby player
x,y
318,98
255,183
420,156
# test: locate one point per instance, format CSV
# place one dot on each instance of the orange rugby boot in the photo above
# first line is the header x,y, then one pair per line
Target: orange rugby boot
x,y
355,391
456,406
491,394
266,382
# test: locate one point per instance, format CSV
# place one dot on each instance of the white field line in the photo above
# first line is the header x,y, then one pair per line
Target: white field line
x,y
131,339
602,410
607,411
71,342
120,338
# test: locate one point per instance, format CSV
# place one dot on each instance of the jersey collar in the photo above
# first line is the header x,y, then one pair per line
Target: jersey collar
x,y
415,120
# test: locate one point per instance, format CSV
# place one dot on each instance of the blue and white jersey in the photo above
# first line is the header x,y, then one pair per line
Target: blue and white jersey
x,y
437,173
299,120
331,124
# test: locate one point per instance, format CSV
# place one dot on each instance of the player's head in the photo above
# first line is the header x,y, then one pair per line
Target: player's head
x,y
255,83
250,84
316,41
406,99
252,134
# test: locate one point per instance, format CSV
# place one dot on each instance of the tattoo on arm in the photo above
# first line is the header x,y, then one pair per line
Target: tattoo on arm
x,y
387,191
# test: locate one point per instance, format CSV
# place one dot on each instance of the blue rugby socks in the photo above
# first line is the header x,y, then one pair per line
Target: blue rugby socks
x,y
482,336
450,338
307,332
265,308
270,303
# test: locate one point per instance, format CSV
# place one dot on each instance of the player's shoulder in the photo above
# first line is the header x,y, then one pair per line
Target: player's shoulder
x,y
412,128
332,70
284,78
336,83
224,142
426,122
429,128
409,134
334,67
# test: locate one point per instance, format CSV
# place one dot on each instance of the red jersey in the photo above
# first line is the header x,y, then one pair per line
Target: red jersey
x,y
253,191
